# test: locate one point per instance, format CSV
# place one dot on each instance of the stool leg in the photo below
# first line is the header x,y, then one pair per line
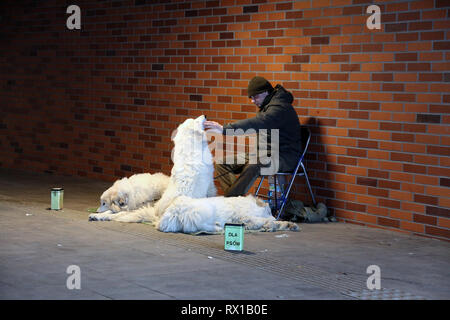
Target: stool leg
x,y
286,196
309,185
259,186
275,198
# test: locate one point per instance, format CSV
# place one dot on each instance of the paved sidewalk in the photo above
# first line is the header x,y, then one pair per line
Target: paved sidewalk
x,y
135,261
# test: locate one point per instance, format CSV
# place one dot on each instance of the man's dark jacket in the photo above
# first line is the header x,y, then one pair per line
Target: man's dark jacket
x,y
277,112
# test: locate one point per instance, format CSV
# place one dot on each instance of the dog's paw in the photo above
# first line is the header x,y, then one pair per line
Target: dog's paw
x,y
293,226
126,218
287,225
99,217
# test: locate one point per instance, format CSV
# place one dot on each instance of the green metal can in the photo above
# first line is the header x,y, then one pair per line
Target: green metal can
x,y
234,236
57,198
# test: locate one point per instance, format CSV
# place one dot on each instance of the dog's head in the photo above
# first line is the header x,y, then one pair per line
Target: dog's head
x,y
190,139
105,200
191,128
115,198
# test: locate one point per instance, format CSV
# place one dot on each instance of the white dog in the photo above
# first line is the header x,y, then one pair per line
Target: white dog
x,y
190,215
192,174
128,194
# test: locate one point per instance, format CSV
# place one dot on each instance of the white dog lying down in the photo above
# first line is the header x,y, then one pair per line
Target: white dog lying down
x,y
190,215
131,193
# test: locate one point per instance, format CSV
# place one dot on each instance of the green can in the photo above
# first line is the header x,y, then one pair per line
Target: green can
x,y
234,236
57,197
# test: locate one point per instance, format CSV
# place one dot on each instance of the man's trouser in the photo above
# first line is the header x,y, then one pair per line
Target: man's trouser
x,y
233,186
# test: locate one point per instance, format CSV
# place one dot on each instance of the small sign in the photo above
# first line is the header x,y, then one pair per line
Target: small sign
x,y
234,236
57,198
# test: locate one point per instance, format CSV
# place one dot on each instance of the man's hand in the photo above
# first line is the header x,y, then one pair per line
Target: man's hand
x,y
213,126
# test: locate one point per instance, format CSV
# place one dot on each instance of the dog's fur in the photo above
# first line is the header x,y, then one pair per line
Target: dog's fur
x,y
192,173
190,215
145,213
128,194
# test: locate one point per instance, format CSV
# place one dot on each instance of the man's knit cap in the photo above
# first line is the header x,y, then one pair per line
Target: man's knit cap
x,y
258,85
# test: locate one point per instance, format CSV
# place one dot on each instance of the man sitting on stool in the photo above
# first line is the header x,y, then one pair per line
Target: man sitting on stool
x,y
275,112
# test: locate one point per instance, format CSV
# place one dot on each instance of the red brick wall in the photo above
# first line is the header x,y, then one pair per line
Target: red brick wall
x,y
102,102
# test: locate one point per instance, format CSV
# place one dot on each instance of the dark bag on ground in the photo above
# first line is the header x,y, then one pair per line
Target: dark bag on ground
x,y
295,211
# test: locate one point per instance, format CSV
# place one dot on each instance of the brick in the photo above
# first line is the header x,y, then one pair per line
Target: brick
x,y
388,222
403,137
353,10
320,40
350,67
445,182
394,204
358,133
395,27
434,108
358,115
434,77
414,168
405,97
389,184
439,232
393,87
391,126
445,151
194,97
409,36
437,211
425,199
283,6
433,35
301,59
265,42
347,161
378,192
441,45
355,207
250,9
382,76
367,144
422,25
367,181
428,118
357,152
403,157
411,226
410,56
419,67
294,15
